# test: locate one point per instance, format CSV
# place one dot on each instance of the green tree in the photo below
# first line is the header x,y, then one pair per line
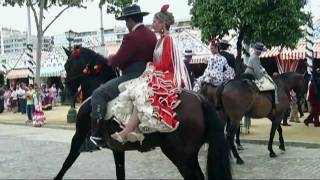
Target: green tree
x,y
273,22
113,6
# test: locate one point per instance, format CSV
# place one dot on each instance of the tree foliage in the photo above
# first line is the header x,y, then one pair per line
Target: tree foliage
x,y
115,6
273,22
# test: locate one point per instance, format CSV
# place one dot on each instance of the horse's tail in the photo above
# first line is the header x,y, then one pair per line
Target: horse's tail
x,y
218,162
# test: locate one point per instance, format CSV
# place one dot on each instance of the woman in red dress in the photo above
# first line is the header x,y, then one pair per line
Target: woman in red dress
x,y
154,95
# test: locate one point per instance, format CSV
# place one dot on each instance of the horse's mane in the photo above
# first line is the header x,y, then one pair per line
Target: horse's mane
x,y
90,55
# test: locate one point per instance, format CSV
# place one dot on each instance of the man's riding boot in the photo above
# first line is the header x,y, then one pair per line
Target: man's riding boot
x,y
97,137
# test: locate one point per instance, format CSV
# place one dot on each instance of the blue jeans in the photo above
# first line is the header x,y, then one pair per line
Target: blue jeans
x,y
30,110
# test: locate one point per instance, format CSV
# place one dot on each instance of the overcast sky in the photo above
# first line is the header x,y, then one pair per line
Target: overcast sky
x,y
89,19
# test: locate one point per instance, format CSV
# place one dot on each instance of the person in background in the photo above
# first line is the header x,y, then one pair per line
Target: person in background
x,y
14,100
294,114
217,71
187,59
6,98
314,104
30,102
38,115
224,46
22,98
53,94
59,97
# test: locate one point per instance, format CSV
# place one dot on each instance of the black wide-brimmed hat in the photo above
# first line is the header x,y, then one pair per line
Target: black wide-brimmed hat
x,y
259,46
224,42
131,10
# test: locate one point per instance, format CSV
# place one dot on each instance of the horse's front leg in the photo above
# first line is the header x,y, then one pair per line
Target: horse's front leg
x,y
274,127
119,158
82,130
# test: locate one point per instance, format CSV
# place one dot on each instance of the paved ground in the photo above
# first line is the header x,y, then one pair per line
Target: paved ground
x,y
259,130
38,153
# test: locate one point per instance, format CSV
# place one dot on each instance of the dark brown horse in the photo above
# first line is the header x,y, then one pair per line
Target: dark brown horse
x,y
240,97
181,146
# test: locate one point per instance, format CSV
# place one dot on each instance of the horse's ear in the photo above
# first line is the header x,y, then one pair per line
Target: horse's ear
x,y
68,53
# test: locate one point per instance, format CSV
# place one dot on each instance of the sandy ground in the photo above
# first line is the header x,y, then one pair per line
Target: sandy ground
x,y
259,130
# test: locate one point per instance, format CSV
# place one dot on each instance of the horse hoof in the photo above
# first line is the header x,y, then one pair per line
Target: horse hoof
x,y
240,161
273,155
281,147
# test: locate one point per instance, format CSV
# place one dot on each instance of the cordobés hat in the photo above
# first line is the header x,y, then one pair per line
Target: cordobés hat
x,y
224,42
259,46
131,10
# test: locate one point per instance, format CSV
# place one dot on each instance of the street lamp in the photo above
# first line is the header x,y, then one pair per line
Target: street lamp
x,y
72,113
70,35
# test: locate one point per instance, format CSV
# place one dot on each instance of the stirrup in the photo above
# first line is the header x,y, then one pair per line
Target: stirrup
x,y
94,140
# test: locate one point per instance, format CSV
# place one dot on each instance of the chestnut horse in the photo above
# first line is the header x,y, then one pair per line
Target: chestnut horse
x,y
180,146
240,97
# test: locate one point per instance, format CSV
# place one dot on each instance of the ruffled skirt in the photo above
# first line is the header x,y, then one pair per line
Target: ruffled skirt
x,y
155,96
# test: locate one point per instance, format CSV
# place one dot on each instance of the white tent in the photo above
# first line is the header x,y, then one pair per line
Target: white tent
x,y
189,39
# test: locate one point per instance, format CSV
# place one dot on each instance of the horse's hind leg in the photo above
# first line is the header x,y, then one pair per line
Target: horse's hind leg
x,y
187,164
232,130
239,146
281,146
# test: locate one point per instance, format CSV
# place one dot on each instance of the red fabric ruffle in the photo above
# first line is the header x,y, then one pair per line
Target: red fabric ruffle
x,y
165,98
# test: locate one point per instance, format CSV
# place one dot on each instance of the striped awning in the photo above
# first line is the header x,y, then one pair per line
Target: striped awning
x,y
298,53
200,59
19,73
52,71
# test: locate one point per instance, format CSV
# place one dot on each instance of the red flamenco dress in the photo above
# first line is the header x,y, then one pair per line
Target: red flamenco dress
x,y
165,88
155,92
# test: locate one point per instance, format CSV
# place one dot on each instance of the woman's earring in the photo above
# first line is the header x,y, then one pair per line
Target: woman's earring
x,y
162,30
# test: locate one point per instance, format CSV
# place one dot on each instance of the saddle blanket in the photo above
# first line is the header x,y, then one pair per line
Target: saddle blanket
x,y
265,84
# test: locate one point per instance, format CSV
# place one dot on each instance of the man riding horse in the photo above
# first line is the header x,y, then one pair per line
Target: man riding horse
x,y
135,51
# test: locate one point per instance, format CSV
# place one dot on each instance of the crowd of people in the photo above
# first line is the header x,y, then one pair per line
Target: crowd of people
x,y
31,100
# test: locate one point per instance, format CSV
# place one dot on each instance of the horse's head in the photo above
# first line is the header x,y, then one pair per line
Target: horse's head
x,y
87,68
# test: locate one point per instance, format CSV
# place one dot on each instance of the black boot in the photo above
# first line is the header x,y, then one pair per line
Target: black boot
x,y
98,137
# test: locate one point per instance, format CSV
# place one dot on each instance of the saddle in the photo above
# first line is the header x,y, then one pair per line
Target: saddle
x,y
264,84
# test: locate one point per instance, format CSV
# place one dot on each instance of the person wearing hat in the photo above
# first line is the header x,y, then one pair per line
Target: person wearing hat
x,y
224,45
187,59
131,58
255,71
151,99
218,69
314,99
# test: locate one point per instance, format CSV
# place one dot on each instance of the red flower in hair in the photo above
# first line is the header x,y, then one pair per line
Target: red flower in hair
x,y
165,8
76,53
